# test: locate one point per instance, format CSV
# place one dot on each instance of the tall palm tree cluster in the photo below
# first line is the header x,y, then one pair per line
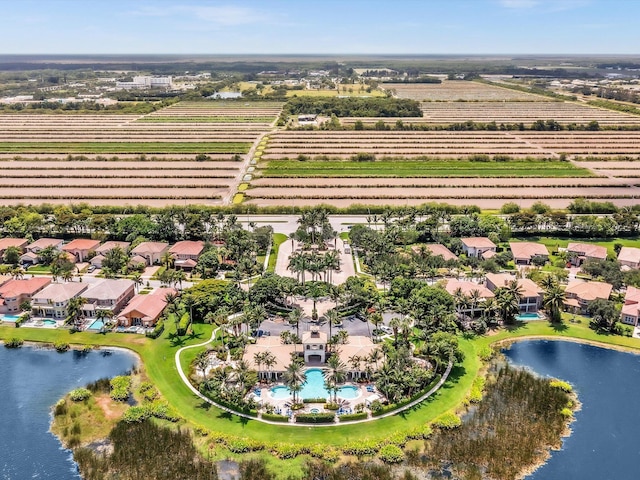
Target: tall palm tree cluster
x,y
314,228
230,384
401,376
319,265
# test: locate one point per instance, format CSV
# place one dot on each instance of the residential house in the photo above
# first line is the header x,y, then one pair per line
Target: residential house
x,y
5,243
186,253
110,295
531,294
435,249
579,294
525,252
630,257
145,310
579,252
42,243
110,245
80,248
152,252
476,246
53,300
475,294
97,260
14,293
631,309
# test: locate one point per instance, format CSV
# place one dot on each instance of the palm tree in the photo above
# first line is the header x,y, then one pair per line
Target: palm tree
x,y
167,259
104,314
294,377
269,360
332,319
508,304
335,375
137,281
395,326
201,362
294,318
553,300
74,310
258,359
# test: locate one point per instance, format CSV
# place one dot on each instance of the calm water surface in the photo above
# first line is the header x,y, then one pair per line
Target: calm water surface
x,y
31,381
605,443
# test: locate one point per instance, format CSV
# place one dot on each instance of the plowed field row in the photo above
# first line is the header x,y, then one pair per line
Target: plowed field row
x,y
457,90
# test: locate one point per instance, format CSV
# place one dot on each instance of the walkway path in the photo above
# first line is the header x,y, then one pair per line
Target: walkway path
x,y
186,381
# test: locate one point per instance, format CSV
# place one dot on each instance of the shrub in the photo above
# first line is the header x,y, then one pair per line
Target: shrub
x,y
244,445
391,454
14,343
288,450
353,417
120,388
314,400
361,448
275,418
60,408
564,386
448,421
135,414
315,418
183,324
61,346
157,330
325,452
566,412
79,394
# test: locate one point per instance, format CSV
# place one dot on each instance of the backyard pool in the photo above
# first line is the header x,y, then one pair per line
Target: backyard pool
x,y
314,388
50,323
10,318
97,325
523,317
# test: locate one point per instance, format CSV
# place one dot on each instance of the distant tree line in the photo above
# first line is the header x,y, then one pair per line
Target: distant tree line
x,y
353,107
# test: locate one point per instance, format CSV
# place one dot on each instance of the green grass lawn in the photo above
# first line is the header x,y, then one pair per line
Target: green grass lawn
x,y
124,147
278,239
421,168
39,269
553,243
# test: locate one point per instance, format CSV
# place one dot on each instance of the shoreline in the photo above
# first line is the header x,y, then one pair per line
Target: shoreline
x,y
593,343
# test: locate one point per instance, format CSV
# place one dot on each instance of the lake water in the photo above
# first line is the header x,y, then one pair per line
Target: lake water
x,y
31,381
605,442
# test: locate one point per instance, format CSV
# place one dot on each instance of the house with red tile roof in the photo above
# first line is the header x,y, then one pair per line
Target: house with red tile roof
x,y
631,309
43,243
110,245
5,243
186,253
145,310
475,293
579,252
530,293
435,249
579,294
152,252
15,292
476,246
80,248
629,257
524,252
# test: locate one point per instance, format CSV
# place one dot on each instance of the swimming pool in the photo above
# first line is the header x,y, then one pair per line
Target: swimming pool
x,y
314,388
97,325
10,318
529,316
50,323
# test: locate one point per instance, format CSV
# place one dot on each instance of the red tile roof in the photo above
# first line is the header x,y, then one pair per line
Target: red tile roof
x,y
28,286
81,244
187,247
478,242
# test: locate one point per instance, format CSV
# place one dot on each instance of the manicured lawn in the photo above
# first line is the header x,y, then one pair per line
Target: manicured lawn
x,y
278,239
124,147
552,243
421,168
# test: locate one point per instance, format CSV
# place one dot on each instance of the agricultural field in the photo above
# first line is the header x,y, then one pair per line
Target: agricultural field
x,y
485,168
459,90
565,113
131,159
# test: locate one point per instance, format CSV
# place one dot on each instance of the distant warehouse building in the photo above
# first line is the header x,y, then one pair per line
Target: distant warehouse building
x,y
143,82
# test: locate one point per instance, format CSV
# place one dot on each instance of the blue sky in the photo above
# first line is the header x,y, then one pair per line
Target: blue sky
x,y
317,27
